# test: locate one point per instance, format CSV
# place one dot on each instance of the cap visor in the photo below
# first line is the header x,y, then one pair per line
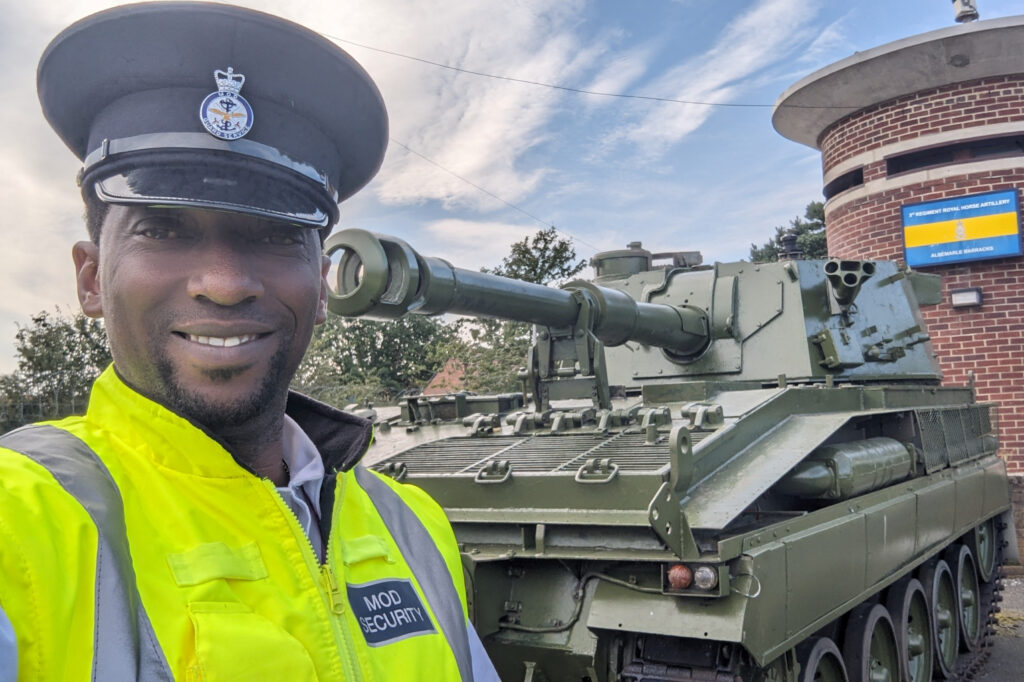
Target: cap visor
x,y
258,190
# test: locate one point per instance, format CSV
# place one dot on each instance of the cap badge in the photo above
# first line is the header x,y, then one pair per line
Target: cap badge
x,y
225,113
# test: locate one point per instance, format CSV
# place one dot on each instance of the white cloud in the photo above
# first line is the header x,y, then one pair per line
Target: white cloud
x,y
618,74
829,44
475,126
470,244
764,35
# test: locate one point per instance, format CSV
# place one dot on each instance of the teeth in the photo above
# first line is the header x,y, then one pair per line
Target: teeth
x,y
223,341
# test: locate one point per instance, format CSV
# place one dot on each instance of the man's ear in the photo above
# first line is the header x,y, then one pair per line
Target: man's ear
x,y
87,273
321,306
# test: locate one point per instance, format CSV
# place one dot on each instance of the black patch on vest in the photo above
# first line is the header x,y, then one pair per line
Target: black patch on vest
x,y
389,610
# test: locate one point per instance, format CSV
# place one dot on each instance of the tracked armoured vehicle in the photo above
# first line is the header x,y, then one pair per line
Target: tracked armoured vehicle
x,y
715,472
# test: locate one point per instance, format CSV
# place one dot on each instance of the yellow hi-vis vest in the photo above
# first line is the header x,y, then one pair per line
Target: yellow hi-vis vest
x,y
133,546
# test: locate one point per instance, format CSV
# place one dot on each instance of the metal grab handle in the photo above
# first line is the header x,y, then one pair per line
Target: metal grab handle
x,y
597,471
495,472
754,580
396,470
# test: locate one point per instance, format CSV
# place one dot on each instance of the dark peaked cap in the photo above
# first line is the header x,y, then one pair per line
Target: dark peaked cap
x,y
123,88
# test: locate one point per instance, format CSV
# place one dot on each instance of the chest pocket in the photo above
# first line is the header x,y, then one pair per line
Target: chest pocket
x,y
233,642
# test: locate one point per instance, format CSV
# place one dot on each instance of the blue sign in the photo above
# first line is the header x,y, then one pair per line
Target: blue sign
x,y
389,610
962,229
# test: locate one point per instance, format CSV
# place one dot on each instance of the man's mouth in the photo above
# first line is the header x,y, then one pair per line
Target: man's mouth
x,y
221,341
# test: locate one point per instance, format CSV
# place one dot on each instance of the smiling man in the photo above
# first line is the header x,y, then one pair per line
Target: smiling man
x,y
209,313
200,521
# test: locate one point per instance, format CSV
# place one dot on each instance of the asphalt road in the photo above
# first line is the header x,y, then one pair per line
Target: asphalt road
x,y
1006,661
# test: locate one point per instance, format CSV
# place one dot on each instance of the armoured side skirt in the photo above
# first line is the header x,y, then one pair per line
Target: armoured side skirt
x,y
828,561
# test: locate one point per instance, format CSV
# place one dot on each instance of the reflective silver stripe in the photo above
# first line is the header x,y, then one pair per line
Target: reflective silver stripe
x,y
124,644
8,650
426,563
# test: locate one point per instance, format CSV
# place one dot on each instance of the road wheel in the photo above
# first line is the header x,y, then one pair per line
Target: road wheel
x,y
937,581
869,646
911,619
968,595
984,542
820,661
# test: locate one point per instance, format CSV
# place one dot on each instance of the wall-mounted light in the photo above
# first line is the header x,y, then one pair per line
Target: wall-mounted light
x,y
969,297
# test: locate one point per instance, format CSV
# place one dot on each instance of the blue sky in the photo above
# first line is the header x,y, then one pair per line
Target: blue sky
x,y
603,170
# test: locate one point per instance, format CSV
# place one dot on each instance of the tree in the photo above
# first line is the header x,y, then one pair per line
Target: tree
x,y
810,231
15,407
355,360
544,258
491,351
58,359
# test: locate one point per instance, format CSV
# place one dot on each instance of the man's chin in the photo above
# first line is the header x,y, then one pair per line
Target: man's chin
x,y
229,397
224,375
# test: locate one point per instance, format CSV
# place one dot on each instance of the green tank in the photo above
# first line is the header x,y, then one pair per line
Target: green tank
x,y
714,472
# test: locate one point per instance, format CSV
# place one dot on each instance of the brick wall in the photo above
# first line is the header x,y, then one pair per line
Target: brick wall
x,y
988,341
871,227
952,107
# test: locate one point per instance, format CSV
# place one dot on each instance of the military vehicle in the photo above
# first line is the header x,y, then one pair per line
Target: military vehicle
x,y
714,472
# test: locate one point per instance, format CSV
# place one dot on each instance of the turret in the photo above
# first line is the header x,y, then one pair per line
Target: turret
x,y
665,318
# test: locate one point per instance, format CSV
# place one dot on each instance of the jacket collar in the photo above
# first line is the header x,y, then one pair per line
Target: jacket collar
x,y
341,438
176,443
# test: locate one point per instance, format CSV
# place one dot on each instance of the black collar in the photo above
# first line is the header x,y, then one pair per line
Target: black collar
x,y
341,438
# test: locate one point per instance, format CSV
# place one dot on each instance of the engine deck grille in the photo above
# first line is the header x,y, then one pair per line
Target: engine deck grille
x,y
537,452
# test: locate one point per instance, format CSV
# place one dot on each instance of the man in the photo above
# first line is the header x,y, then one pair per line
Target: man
x,y
200,522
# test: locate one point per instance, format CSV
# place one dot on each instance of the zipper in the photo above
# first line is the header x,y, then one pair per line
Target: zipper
x,y
337,602
328,584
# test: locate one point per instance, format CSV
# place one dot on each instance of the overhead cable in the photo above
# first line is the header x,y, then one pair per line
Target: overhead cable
x,y
582,91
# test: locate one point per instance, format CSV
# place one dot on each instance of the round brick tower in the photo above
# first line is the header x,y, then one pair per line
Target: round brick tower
x,y
913,132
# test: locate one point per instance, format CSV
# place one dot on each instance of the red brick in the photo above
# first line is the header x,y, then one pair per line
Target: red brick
x,y
988,342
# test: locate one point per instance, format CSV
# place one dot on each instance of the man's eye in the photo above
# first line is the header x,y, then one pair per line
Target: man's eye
x,y
159,228
281,238
160,232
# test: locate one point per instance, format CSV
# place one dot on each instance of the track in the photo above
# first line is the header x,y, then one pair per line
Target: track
x,y
970,664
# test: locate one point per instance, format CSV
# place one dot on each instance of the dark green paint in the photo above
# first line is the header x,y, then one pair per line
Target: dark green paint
x,y
782,423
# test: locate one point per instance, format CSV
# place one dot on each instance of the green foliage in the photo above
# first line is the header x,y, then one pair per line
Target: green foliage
x,y
353,360
58,358
810,231
544,258
491,351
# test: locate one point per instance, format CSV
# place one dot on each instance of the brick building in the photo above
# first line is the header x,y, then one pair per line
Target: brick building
x,y
930,117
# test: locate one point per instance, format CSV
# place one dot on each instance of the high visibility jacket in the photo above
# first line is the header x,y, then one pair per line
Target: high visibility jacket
x,y
225,575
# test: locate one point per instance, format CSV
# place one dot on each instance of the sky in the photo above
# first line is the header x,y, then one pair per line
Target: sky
x,y
476,162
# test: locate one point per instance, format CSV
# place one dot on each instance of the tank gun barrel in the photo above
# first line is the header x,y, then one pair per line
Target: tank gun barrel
x,y
382,277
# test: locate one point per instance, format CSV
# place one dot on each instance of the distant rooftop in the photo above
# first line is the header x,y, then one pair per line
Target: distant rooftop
x,y
964,52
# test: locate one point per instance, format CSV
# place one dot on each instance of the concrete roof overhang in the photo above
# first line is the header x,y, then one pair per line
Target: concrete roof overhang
x,y
964,52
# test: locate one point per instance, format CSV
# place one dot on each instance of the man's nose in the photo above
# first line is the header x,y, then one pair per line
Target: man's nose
x,y
225,275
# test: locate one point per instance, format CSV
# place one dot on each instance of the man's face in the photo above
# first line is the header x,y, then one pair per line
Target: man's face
x,y
207,312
